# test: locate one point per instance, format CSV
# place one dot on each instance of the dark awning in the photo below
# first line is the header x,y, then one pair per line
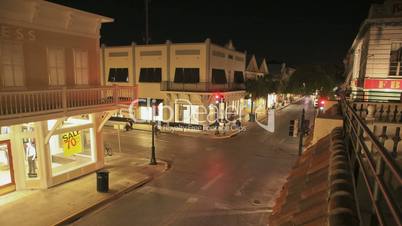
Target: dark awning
x,y
150,75
118,75
187,75
238,77
219,76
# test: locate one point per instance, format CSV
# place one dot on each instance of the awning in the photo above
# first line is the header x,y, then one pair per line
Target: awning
x,y
219,76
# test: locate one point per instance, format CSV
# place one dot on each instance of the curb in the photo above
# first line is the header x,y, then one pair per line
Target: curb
x,y
74,217
207,135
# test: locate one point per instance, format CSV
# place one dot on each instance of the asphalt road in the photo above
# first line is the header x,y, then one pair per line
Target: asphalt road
x,y
211,181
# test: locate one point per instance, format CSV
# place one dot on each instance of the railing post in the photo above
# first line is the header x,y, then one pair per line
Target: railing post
x,y
396,140
64,99
115,96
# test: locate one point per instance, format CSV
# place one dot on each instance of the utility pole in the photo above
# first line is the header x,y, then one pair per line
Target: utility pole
x,y
146,23
153,158
301,133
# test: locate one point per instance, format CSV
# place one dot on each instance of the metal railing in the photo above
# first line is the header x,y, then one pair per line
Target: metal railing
x,y
377,172
201,87
27,103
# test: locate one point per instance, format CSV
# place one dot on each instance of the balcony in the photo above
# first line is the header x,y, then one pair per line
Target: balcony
x,y
17,105
201,87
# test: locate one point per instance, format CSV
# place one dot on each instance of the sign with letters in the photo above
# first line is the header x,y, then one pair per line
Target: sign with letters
x,y
9,32
72,143
395,84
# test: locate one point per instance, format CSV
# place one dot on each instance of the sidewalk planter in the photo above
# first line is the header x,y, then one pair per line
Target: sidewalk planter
x,y
102,181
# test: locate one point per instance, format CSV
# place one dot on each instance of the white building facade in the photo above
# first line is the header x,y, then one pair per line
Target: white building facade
x,y
373,63
52,104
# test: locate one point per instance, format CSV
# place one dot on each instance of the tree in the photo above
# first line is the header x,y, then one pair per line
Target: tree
x,y
258,88
311,77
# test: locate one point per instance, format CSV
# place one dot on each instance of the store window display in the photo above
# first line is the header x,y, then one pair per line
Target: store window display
x,y
71,150
6,174
31,157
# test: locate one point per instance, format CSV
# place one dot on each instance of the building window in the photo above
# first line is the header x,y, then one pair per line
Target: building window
x,y
71,150
151,53
118,75
12,64
188,52
240,59
187,75
81,67
395,60
150,75
230,57
218,54
238,77
219,76
118,54
56,66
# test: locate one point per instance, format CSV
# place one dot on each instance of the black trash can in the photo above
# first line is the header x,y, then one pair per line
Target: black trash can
x,y
102,181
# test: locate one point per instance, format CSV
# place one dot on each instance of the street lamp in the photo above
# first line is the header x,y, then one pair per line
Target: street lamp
x,y
153,158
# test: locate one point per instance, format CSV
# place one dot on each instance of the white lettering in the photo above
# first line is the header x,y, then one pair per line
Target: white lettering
x,y
17,33
31,35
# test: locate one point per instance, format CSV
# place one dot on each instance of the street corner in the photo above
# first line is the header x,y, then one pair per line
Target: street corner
x,y
154,171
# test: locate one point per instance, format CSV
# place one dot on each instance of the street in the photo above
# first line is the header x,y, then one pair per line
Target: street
x,y
211,181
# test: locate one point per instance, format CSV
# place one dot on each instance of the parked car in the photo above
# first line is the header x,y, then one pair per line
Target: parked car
x,y
126,122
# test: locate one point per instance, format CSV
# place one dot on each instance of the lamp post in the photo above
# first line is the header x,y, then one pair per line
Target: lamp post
x,y
153,158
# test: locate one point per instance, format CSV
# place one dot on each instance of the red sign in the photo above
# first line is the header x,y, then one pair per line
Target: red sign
x,y
395,84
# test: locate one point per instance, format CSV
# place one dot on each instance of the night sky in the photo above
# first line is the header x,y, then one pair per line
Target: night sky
x,y
297,32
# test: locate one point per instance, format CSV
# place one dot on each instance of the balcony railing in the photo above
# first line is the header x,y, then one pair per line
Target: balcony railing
x,y
377,171
201,87
16,104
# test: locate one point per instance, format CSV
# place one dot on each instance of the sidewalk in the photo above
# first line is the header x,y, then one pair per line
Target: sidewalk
x,y
68,201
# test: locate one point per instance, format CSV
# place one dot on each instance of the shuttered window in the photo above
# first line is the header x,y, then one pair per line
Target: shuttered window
x,y
151,75
118,75
81,69
56,66
395,60
219,76
11,64
238,77
187,75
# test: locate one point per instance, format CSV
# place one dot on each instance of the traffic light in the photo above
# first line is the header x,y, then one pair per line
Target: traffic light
x,y
219,98
321,103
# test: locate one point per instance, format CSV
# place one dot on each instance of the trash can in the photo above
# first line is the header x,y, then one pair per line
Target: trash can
x,y
102,181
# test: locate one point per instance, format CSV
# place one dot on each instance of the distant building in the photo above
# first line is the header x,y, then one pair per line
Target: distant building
x,y
187,77
52,104
256,68
373,63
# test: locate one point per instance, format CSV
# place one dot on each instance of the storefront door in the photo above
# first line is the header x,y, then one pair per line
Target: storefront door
x,y
7,182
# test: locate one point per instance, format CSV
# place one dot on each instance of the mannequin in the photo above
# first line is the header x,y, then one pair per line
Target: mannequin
x,y
31,157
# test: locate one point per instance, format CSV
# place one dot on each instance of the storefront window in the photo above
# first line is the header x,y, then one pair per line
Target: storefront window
x,y
190,114
31,157
146,113
4,130
27,127
71,150
6,176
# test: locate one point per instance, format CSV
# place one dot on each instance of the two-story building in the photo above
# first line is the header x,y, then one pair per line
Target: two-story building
x,y
52,104
373,63
191,83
